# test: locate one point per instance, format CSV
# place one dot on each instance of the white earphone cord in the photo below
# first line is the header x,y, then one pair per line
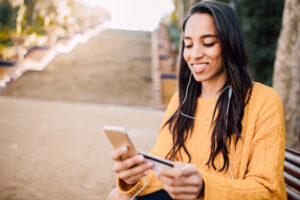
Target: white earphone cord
x,y
186,92
138,192
227,110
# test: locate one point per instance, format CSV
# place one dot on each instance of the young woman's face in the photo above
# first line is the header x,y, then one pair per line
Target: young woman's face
x,y
202,49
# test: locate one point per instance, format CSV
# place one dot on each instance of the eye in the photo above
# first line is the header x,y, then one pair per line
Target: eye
x,y
209,44
188,46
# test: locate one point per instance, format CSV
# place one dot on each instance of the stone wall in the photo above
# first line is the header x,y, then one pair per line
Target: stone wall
x,y
164,73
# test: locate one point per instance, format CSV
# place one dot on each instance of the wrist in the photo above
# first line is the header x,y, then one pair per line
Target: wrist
x,y
124,185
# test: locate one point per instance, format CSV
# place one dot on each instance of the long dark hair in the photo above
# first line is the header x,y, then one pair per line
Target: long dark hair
x,y
234,60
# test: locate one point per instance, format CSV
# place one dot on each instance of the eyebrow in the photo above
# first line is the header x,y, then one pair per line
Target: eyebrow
x,y
202,37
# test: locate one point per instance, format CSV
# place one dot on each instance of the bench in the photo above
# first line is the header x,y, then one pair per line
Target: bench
x,y
292,173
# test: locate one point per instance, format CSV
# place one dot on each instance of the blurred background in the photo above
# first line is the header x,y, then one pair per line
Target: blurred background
x,y
69,67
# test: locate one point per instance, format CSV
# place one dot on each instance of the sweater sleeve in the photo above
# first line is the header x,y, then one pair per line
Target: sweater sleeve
x,y
161,149
263,178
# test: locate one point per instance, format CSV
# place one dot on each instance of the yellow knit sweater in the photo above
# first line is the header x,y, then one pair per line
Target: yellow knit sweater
x,y
256,162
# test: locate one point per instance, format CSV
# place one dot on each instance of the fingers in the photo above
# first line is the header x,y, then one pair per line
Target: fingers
x,y
193,180
117,154
182,192
177,190
184,181
179,170
128,163
174,172
169,181
136,172
179,164
131,169
189,170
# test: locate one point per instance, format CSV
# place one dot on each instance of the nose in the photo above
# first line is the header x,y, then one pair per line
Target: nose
x,y
197,52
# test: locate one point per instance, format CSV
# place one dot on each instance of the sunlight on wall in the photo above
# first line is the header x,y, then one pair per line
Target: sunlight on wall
x,y
134,14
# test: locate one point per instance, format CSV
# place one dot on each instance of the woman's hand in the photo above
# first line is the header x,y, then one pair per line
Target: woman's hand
x,y
131,169
183,181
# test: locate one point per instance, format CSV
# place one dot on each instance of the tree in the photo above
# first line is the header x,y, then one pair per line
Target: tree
x,y
287,70
6,21
261,23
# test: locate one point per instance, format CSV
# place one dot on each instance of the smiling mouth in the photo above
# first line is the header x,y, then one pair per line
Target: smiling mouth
x,y
199,67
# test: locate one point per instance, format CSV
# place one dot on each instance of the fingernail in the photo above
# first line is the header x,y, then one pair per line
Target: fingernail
x,y
146,172
124,148
158,172
150,164
140,158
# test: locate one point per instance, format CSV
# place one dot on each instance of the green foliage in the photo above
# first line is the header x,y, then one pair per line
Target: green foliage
x,y
32,22
5,13
13,19
30,11
37,26
4,38
186,5
261,23
225,1
174,33
6,16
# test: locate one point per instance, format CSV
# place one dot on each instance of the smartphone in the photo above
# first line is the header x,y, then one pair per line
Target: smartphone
x,y
119,138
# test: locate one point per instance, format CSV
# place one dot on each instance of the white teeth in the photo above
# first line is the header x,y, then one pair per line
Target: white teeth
x,y
199,66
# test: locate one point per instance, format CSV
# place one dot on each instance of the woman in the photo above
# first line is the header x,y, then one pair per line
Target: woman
x,y
225,132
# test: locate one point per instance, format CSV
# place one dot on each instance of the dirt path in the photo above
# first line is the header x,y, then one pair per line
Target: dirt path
x,y
51,143
54,150
113,67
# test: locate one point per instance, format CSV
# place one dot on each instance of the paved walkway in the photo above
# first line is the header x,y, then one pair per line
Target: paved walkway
x,y
56,150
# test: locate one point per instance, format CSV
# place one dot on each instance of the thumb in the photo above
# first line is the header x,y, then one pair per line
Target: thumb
x,y
179,164
189,169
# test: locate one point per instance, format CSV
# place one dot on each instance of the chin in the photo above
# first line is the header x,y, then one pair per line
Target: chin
x,y
210,77
199,78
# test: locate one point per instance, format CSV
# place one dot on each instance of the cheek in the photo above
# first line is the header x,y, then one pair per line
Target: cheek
x,y
186,55
216,56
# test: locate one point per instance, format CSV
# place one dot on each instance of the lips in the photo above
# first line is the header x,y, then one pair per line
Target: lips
x,y
199,67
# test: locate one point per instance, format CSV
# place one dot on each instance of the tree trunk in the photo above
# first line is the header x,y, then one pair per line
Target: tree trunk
x,y
191,3
180,12
286,78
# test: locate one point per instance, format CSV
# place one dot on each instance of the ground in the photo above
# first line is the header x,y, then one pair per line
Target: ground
x,y
51,142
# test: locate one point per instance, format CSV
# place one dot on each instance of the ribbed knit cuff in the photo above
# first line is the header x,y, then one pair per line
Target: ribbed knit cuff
x,y
129,189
